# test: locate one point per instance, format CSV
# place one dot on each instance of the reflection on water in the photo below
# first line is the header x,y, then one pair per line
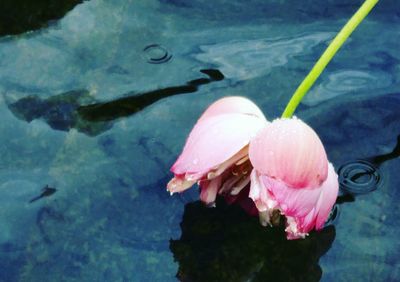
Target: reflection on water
x,y
241,60
58,111
225,244
380,159
134,103
76,109
345,82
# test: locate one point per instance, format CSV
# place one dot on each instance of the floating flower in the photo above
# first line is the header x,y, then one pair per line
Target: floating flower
x,y
292,175
216,152
281,166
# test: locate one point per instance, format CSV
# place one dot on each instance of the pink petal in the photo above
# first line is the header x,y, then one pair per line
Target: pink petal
x,y
215,140
290,150
262,198
328,197
209,190
256,190
232,105
293,202
179,184
307,208
292,229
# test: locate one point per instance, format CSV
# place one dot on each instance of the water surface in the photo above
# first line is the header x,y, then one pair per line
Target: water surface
x,y
86,110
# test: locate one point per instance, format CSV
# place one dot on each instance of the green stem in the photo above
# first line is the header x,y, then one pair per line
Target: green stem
x,y
323,61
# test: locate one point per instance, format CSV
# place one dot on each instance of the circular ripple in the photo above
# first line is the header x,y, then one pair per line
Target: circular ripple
x,y
156,54
359,177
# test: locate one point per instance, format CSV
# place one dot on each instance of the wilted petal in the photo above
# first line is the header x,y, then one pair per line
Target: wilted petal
x,y
292,229
233,105
305,209
290,150
209,190
293,202
260,194
240,185
328,192
226,164
228,184
214,140
330,189
179,184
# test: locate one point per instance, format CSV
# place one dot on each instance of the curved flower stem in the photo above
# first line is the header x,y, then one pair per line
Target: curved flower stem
x,y
323,61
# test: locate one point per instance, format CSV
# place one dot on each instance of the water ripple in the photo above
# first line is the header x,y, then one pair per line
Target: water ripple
x,y
346,81
241,60
156,54
359,177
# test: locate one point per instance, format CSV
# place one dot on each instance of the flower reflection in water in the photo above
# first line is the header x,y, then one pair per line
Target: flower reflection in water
x,y
226,244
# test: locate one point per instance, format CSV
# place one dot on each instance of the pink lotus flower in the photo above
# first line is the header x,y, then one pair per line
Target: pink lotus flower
x,y
216,152
292,175
282,166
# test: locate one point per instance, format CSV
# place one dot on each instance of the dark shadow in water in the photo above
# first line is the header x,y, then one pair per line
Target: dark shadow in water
x,y
346,198
226,244
19,16
59,111
126,106
380,159
44,215
78,109
47,191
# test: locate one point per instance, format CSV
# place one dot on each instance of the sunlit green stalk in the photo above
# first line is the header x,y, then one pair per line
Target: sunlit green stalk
x,y
323,61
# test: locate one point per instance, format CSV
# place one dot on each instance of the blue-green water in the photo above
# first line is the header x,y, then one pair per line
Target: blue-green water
x,y
111,218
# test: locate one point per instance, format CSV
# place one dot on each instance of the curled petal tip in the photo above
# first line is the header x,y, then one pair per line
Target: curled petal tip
x,y
177,184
